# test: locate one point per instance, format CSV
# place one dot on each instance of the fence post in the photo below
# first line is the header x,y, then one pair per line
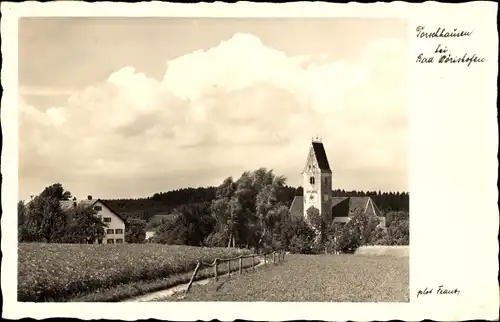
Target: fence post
x,y
265,261
192,277
229,268
274,257
215,269
284,252
253,262
241,264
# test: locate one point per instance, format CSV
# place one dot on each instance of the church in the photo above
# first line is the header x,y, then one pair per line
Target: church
x,y
318,193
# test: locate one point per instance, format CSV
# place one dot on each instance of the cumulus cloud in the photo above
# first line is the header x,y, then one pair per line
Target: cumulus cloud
x,y
217,112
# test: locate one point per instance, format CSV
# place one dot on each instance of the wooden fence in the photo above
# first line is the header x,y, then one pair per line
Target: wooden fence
x,y
278,257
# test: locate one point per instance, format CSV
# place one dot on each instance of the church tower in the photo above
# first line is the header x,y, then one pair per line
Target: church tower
x,y
317,181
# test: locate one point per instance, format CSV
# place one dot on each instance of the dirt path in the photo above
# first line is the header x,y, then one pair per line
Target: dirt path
x,y
179,289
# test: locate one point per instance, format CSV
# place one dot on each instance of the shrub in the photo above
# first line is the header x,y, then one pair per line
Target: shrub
x,y
296,235
217,239
300,244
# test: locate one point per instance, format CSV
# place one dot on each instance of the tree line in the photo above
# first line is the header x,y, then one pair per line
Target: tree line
x,y
250,211
165,203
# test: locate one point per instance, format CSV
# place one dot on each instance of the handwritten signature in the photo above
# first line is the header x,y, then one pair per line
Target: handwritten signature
x,y
441,290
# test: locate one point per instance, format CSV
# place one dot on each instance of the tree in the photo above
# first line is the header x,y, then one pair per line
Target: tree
x,y
296,235
135,230
315,219
265,203
44,222
350,238
56,191
269,211
220,205
168,232
191,226
365,224
380,237
247,208
398,230
360,230
21,215
83,225
300,244
334,238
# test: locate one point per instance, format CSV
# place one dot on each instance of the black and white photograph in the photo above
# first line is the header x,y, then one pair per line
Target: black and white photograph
x,y
248,161
255,155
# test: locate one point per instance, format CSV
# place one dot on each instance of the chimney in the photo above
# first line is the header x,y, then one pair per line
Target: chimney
x,y
89,197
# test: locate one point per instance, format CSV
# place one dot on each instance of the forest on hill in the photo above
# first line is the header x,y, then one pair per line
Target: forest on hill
x,y
164,203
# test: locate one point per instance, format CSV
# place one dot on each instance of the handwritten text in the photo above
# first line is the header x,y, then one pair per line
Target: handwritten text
x,y
441,54
441,290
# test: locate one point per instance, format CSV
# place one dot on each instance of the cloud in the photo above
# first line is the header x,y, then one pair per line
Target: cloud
x,y
236,106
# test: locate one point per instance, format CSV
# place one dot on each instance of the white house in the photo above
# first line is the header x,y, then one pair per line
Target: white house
x,y
115,232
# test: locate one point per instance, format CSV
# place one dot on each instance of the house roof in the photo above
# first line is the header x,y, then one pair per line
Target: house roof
x,y
337,200
297,206
319,152
68,204
341,206
364,204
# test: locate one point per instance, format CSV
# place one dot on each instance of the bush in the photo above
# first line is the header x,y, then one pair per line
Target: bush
x,y
217,239
56,272
296,235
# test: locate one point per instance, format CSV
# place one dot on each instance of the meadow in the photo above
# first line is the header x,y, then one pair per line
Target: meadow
x,y
69,272
316,278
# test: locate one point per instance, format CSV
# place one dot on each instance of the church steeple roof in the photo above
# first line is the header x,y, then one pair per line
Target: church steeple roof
x,y
320,154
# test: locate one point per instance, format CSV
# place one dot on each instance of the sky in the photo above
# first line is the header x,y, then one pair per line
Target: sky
x,y
127,107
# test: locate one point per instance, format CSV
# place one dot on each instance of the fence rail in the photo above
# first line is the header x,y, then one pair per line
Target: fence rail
x,y
278,257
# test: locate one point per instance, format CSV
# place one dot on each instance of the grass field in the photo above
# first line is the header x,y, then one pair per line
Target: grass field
x,y
316,278
64,272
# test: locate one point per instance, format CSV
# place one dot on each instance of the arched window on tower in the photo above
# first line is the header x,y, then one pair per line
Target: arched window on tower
x,y
311,180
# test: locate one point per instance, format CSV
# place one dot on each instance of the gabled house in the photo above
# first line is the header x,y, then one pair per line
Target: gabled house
x,y
115,232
